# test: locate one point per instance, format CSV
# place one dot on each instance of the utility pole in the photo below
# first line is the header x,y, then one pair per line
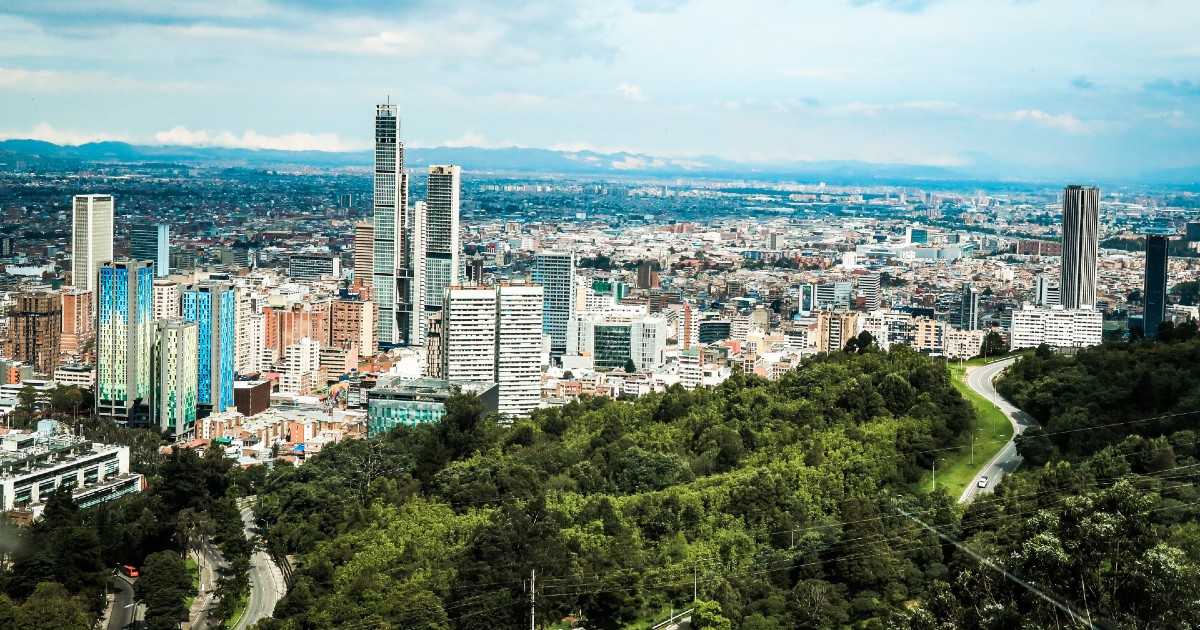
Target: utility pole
x,y
533,599
695,584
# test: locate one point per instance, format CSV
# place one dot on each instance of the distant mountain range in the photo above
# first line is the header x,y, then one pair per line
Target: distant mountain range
x,y
545,161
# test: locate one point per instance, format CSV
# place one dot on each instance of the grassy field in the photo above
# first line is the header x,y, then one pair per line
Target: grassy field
x,y
238,612
957,469
194,571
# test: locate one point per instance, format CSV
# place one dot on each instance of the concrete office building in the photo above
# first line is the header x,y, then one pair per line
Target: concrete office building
x,y
166,299
124,341
78,322
35,331
314,266
1058,327
364,252
91,239
1080,242
152,242
352,325
34,465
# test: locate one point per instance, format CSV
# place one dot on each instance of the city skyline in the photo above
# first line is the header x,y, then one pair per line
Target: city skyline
x,y
912,82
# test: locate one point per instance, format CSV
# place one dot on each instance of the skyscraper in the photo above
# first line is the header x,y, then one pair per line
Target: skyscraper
x,y
968,308
1154,291
440,238
35,330
869,285
493,335
212,305
152,242
397,278
91,238
124,340
518,348
175,372
555,271
1080,240
78,322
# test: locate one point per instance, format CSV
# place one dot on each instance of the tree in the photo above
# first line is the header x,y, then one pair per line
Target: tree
x,y
51,607
708,615
1188,292
630,366
163,587
994,344
66,398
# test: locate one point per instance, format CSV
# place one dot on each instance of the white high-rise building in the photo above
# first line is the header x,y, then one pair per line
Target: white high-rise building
x,y
469,335
519,348
250,325
301,367
396,278
1080,242
494,335
91,239
166,298
869,285
555,271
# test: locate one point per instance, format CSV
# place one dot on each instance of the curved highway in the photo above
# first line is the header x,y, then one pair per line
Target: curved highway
x,y
1007,460
267,585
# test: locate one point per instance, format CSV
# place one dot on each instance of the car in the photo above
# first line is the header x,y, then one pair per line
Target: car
x,y
982,482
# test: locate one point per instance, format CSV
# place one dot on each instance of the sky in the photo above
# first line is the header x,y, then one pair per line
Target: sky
x,y
1084,86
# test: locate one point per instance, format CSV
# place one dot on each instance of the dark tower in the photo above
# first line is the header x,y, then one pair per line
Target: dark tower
x,y
1154,291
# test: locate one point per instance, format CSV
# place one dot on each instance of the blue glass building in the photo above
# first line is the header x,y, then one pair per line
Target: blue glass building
x,y
212,306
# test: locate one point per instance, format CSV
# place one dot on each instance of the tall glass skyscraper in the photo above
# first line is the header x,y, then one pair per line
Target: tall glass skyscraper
x,y
555,271
397,277
1080,240
440,240
213,306
124,340
152,242
1154,291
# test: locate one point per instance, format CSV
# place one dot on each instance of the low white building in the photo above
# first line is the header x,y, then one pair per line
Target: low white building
x,y
1057,327
33,465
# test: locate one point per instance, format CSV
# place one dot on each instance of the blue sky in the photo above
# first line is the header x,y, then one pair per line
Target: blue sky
x,y
1101,86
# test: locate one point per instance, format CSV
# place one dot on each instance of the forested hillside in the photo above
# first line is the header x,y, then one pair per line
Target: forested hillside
x,y
783,505
775,500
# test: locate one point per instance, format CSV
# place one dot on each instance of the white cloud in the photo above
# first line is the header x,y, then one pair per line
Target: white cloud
x,y
634,163
632,93
1066,122
47,133
298,141
468,139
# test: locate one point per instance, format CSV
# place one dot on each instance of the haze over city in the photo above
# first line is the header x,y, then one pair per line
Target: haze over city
x,y
1079,88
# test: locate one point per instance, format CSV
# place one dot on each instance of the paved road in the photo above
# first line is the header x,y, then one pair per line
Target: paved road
x,y
267,585
1007,460
212,567
125,614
